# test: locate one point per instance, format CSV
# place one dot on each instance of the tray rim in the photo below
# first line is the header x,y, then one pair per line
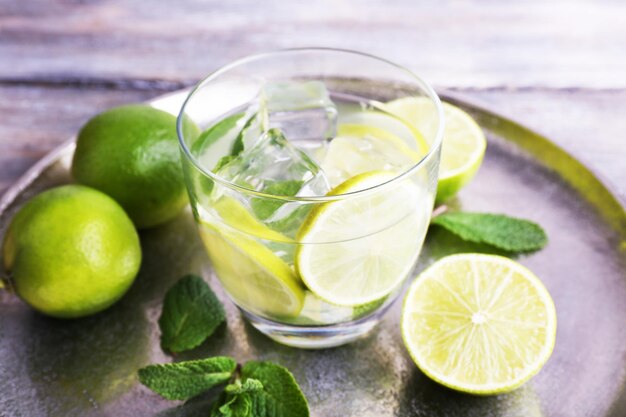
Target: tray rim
x,y
613,212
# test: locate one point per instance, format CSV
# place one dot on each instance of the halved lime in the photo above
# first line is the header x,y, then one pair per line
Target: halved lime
x,y
253,275
463,145
357,250
477,323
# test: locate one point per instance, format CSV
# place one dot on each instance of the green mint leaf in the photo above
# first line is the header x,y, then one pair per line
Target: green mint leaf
x,y
240,399
214,133
223,161
206,182
508,233
264,207
191,313
291,222
238,144
250,385
183,380
281,395
235,406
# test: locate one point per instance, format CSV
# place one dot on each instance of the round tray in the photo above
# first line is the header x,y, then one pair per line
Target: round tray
x,y
87,367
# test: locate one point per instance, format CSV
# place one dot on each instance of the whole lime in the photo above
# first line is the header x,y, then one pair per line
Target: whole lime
x,y
131,153
72,251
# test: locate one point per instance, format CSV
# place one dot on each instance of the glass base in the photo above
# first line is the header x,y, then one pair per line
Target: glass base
x,y
314,337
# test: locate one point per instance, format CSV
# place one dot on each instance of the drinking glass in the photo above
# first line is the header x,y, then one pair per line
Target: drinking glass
x,y
312,192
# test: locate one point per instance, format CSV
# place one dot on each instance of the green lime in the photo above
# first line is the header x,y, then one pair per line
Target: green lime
x,y
72,251
358,250
463,145
131,153
481,324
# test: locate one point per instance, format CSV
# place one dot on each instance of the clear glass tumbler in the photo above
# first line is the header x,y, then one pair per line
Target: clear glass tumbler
x,y
312,183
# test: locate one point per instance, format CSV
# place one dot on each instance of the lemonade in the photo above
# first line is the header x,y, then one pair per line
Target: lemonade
x,y
312,201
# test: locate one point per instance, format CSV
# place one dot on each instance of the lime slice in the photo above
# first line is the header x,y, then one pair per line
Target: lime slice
x,y
372,141
357,250
235,215
358,149
390,123
463,146
476,323
253,275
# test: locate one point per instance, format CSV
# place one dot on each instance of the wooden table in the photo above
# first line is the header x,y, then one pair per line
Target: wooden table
x,y
558,66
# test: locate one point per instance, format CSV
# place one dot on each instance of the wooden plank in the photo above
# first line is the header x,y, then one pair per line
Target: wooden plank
x,y
464,44
590,124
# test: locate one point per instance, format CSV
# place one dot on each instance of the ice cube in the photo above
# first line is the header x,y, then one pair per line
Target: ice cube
x,y
273,163
303,110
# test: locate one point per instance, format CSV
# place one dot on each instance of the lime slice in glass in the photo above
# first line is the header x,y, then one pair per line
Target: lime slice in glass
x,y
362,148
392,124
372,241
253,275
235,215
480,324
463,146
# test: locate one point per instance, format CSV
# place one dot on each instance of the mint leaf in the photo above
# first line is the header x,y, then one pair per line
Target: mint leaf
x,y
504,232
238,144
223,161
239,399
291,222
264,390
264,207
183,380
250,385
281,395
191,313
214,133
206,182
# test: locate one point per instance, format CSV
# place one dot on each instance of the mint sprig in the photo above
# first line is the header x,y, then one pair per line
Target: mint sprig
x,y
239,399
191,313
504,232
257,389
238,144
264,207
215,133
281,395
184,380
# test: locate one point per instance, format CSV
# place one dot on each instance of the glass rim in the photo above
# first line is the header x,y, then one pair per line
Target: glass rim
x,y
436,144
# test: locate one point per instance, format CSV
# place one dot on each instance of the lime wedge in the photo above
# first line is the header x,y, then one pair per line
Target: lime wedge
x,y
253,275
358,250
480,324
463,146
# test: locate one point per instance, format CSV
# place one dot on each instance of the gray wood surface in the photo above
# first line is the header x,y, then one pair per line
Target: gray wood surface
x,y
557,66
473,43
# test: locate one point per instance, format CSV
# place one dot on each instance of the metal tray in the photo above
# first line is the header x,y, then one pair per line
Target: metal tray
x,y
87,367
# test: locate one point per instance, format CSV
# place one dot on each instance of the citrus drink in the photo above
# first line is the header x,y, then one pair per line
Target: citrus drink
x,y
312,200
